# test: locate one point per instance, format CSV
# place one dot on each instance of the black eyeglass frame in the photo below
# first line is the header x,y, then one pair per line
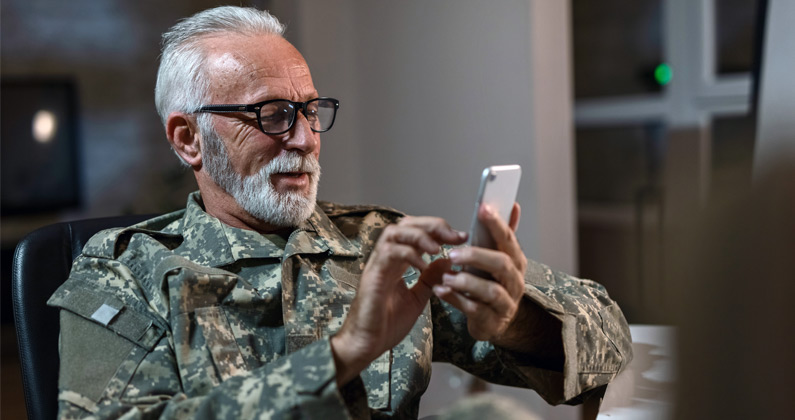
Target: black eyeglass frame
x,y
255,108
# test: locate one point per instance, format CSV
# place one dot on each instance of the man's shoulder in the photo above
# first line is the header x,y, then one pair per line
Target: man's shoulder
x,y
116,268
110,243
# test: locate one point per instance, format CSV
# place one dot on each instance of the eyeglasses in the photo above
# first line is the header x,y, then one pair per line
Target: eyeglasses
x,y
277,116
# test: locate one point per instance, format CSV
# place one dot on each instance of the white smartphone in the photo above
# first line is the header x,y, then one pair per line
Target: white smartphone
x,y
499,186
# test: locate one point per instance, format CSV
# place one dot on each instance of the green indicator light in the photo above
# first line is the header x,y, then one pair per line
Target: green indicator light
x,y
663,74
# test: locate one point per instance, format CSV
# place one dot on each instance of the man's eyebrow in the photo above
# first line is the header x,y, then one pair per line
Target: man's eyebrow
x,y
267,96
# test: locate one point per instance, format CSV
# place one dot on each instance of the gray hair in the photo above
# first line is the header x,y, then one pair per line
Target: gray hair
x,y
181,80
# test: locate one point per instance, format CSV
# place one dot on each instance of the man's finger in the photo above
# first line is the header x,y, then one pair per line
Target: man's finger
x,y
481,319
413,236
516,215
468,307
437,227
392,253
485,291
430,277
502,233
499,264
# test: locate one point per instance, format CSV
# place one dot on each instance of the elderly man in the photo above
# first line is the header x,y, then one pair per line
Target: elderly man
x,y
258,301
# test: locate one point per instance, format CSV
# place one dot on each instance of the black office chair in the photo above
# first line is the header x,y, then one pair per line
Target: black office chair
x,y
42,262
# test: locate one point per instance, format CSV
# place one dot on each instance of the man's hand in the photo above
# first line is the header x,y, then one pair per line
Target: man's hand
x,y
490,306
385,309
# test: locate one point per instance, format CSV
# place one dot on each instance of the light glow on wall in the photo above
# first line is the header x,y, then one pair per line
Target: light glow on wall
x,y
45,125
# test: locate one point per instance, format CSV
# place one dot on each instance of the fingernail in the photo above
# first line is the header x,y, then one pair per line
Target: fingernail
x,y
448,278
441,290
454,254
462,235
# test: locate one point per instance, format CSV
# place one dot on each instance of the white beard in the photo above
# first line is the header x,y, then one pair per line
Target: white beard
x,y
255,193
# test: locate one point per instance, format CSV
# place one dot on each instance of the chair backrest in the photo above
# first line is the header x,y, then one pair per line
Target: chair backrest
x,y
42,262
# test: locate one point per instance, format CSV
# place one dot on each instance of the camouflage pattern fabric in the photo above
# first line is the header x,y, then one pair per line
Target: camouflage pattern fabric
x,y
183,316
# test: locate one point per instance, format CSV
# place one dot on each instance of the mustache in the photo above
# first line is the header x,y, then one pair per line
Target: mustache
x,y
293,162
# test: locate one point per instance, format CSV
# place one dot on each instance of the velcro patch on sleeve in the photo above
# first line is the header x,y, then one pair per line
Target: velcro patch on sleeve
x,y
111,313
105,314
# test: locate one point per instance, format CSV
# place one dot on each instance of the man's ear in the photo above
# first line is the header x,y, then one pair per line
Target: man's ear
x,y
184,136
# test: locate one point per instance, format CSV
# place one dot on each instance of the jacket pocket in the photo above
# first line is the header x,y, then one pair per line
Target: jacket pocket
x,y
377,381
206,350
221,342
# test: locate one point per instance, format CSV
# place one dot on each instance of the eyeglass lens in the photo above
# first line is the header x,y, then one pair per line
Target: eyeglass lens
x,y
277,116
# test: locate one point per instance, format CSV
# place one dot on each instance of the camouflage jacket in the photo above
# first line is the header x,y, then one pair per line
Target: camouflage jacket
x,y
183,316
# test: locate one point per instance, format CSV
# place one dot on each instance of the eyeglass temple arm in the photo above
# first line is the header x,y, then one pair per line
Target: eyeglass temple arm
x,y
227,108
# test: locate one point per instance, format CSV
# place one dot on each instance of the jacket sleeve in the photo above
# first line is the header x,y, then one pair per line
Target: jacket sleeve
x,y
118,360
594,333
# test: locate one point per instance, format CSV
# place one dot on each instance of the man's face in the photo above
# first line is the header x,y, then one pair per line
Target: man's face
x,y
273,177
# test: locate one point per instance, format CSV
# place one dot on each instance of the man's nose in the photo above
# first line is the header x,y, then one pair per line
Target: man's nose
x,y
301,137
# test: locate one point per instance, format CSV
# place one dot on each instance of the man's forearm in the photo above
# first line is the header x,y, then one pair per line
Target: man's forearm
x,y
348,365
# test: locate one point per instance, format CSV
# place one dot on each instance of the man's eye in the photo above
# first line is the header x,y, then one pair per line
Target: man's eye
x,y
270,112
272,117
311,111
274,114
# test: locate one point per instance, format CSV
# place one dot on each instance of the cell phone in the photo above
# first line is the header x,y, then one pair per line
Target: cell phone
x,y
499,186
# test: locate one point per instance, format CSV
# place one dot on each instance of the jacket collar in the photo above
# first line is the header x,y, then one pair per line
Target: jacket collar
x,y
210,242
